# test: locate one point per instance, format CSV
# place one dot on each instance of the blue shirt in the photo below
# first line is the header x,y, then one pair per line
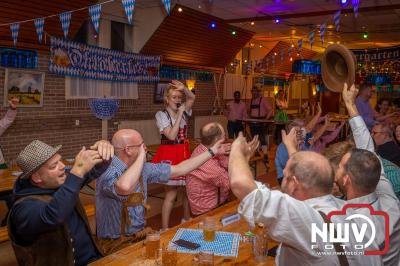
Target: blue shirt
x,y
109,202
366,112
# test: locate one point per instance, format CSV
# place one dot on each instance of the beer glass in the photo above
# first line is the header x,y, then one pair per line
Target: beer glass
x,y
169,256
152,244
206,258
209,226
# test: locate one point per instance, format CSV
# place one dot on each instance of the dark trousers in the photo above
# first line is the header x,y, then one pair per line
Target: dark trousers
x,y
234,127
278,134
260,130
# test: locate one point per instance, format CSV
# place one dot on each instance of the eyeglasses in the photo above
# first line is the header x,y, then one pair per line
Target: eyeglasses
x,y
130,146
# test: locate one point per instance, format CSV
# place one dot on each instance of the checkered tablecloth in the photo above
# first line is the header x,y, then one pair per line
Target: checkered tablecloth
x,y
225,244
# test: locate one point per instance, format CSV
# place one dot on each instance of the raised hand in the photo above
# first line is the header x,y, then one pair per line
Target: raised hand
x,y
220,148
104,148
290,140
13,102
349,95
177,84
85,160
240,145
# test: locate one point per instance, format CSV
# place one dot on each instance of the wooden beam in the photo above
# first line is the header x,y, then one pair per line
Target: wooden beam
x,y
315,13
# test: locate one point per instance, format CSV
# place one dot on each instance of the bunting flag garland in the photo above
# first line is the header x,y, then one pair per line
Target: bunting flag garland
x,y
322,32
14,32
336,19
167,5
356,4
300,44
290,51
95,12
129,6
65,19
39,24
311,38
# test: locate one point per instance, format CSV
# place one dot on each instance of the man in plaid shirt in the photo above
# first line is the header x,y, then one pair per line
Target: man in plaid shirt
x,y
208,186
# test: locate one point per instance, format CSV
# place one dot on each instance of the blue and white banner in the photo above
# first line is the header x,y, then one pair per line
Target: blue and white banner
x,y
322,28
14,32
311,38
129,6
356,5
95,12
79,60
391,54
39,24
65,19
336,19
167,5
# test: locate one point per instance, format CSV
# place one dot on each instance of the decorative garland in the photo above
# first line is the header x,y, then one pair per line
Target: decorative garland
x,y
104,108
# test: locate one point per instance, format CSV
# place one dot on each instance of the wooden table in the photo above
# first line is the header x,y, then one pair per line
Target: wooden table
x,y
134,254
7,180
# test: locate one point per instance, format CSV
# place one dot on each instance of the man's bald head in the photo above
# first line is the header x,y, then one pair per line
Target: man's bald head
x,y
312,170
127,144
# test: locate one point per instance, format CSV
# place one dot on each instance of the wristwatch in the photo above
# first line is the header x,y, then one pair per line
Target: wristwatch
x,y
211,152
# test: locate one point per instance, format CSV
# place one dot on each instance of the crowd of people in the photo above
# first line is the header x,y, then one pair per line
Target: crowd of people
x,y
48,226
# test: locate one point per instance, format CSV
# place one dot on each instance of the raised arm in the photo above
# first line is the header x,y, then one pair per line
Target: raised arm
x,y
189,165
241,178
313,122
361,134
190,97
9,117
126,183
320,131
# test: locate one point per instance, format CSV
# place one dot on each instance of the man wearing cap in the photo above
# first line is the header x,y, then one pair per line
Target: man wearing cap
x,y
47,224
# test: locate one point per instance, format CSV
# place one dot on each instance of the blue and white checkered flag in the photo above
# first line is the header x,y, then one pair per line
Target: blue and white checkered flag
x,y
39,24
14,32
336,19
65,19
322,28
311,38
95,12
167,5
356,5
129,6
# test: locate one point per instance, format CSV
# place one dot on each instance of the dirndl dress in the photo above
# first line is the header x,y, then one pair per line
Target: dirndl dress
x,y
174,151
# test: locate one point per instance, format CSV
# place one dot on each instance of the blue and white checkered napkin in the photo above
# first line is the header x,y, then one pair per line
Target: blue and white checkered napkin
x,y
225,244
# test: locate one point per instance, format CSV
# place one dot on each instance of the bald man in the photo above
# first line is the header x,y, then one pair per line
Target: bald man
x,y
306,199
121,191
207,187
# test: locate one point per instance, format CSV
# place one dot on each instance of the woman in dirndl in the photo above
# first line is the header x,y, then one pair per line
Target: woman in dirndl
x,y
281,116
174,148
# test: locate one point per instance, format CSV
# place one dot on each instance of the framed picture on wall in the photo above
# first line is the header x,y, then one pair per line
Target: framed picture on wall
x,y
26,85
159,92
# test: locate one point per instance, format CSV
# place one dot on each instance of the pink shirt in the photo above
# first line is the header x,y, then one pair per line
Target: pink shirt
x,y
260,108
202,184
236,111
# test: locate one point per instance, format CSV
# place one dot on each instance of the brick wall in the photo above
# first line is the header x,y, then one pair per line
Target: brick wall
x,y
54,123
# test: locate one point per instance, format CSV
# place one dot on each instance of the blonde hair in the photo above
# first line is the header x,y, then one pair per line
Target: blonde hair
x,y
168,91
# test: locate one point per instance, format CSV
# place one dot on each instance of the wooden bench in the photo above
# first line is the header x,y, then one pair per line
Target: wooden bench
x,y
90,210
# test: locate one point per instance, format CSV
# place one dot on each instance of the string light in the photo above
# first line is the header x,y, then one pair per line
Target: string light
x,y
277,20
365,35
180,9
212,25
252,23
234,33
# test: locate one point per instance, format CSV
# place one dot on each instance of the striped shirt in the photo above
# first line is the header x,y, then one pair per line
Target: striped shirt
x,y
203,183
109,202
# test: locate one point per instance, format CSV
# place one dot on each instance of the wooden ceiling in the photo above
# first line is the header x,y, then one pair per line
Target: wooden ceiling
x,y
20,10
185,38
285,65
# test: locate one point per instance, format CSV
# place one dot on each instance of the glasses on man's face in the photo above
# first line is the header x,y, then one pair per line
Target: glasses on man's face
x,y
130,146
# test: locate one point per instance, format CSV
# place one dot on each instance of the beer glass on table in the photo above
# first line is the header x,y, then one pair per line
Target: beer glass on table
x,y
152,244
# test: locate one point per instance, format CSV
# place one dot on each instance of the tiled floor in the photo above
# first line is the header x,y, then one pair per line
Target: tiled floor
x,y
153,216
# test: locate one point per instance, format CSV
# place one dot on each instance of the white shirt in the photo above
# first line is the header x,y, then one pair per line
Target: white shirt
x,y
163,121
383,199
289,221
